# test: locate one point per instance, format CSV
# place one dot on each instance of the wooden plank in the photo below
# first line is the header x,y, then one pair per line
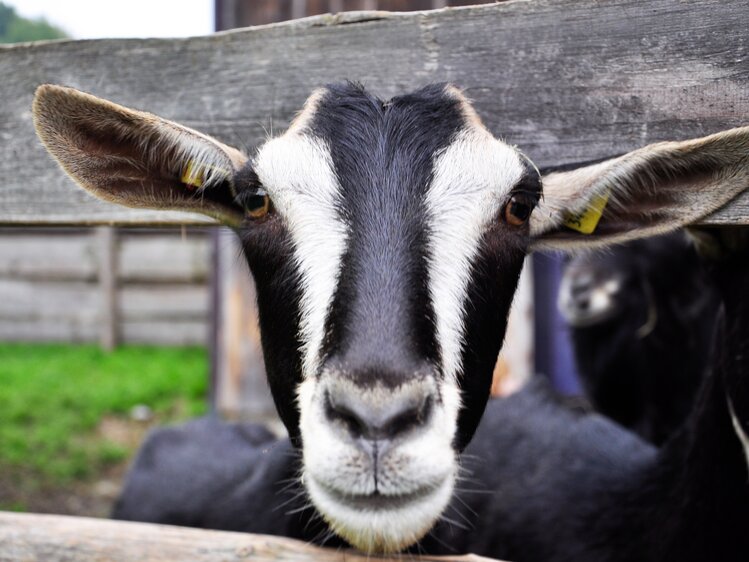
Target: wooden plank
x,y
53,300
61,330
240,385
48,311
71,330
48,257
164,332
70,312
62,538
108,313
565,81
142,258
160,258
177,302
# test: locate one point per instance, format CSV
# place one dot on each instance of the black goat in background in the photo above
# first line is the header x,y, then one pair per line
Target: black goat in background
x,y
641,317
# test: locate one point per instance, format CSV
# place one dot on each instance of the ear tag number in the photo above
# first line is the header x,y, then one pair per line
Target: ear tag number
x,y
195,174
586,220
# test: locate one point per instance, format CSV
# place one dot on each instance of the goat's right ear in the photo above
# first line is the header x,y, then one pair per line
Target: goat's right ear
x,y
134,158
648,191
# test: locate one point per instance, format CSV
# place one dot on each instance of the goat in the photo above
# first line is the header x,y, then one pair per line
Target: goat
x,y
386,240
641,316
541,483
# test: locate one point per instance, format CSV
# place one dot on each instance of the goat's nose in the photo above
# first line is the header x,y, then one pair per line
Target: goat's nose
x,y
379,413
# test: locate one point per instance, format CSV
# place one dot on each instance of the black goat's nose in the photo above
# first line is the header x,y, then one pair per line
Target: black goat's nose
x,y
379,415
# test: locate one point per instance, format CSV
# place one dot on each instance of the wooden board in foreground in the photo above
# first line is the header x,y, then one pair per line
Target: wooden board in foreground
x,y
565,81
59,538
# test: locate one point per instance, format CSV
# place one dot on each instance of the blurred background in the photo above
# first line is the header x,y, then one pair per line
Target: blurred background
x,y
105,331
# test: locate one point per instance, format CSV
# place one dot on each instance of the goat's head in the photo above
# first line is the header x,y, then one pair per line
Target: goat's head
x,y
386,240
624,287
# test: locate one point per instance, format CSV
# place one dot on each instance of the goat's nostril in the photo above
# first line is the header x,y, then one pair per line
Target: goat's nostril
x,y
343,415
409,419
378,422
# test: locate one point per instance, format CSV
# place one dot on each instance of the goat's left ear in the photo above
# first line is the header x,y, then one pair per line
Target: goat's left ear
x,y
649,191
134,158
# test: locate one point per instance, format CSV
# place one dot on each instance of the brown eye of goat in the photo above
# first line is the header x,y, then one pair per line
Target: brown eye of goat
x,y
257,205
517,211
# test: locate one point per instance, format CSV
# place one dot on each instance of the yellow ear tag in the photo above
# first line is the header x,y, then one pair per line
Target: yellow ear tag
x,y
586,220
193,175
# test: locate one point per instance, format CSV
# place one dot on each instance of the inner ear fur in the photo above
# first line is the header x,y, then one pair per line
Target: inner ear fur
x,y
652,190
135,158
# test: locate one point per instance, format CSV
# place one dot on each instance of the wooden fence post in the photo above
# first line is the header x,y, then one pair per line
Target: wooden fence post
x,y
241,390
107,244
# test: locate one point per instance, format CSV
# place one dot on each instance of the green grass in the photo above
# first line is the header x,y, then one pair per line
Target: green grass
x,y
53,397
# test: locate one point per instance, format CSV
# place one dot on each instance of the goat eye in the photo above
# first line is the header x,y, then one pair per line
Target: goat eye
x,y
257,205
517,211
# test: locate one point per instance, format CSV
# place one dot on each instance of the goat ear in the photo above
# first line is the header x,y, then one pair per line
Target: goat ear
x,y
134,158
649,191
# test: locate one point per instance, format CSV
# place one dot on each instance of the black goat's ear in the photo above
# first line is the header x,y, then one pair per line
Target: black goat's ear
x,y
134,158
649,191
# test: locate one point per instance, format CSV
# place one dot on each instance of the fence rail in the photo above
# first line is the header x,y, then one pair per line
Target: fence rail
x,y
565,81
61,538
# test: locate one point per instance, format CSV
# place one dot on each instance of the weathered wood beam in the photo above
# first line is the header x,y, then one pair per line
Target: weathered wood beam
x,y
566,81
59,538
108,309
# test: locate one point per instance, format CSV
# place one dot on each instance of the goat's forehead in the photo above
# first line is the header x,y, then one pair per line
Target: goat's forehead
x,y
349,130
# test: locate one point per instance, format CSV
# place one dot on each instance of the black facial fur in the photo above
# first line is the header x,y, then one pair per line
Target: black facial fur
x,y
270,255
381,323
494,280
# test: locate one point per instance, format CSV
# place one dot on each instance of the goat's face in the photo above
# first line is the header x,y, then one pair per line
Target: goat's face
x,y
403,229
626,286
386,241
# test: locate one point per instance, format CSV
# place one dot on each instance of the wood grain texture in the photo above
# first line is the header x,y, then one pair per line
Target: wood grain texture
x,y
565,81
50,257
58,538
163,259
109,311
52,285
241,389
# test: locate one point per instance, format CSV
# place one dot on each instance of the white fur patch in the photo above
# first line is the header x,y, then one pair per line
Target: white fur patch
x,y
299,175
472,180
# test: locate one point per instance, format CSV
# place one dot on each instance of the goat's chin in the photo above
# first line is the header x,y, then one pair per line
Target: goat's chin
x,y
378,524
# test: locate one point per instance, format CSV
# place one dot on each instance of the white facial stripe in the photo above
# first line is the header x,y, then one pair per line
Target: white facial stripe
x,y
299,175
472,179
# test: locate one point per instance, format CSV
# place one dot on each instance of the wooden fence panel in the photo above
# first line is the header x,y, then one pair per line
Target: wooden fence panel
x,y
155,288
156,258
60,257
53,300
566,81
